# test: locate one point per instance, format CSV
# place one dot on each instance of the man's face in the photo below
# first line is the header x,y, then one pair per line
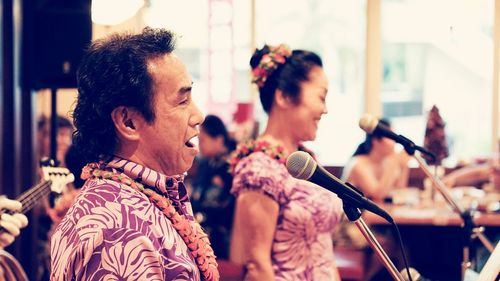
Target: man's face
x,y
165,144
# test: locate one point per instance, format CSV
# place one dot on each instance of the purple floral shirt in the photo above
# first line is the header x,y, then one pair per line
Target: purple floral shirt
x,y
302,247
113,232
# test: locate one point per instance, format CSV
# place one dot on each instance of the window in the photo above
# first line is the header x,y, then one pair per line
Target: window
x,y
439,53
336,31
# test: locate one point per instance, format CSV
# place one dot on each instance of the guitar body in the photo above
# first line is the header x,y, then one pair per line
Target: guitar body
x,y
10,268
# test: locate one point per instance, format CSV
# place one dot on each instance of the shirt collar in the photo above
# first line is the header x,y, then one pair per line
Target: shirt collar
x,y
171,186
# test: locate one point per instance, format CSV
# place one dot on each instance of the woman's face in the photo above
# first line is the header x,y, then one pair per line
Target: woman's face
x,y
306,114
384,145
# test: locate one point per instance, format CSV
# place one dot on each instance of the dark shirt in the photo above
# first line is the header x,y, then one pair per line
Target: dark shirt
x,y
213,204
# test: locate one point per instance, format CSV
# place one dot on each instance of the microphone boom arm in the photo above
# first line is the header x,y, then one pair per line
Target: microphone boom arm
x,y
354,215
470,229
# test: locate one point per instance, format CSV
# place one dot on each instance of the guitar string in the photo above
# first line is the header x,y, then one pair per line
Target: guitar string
x,y
31,197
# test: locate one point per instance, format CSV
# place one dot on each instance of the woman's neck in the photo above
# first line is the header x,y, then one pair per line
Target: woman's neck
x,y
275,132
375,156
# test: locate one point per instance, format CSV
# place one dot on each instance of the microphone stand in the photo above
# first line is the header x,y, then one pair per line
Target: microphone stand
x,y
470,229
354,215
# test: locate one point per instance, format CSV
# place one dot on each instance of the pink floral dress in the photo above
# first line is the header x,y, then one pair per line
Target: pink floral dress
x,y
302,247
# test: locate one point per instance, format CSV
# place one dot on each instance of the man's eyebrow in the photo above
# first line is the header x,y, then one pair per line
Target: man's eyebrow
x,y
186,90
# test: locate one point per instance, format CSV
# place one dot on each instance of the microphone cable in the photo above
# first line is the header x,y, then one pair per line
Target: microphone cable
x,y
403,252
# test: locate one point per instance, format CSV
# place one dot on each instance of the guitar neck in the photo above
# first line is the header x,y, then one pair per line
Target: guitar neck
x,y
30,197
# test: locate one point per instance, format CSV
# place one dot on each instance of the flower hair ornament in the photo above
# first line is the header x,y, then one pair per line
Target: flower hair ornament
x,y
269,63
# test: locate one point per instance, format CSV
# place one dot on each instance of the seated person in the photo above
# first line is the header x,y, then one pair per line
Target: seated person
x,y
213,204
472,175
376,167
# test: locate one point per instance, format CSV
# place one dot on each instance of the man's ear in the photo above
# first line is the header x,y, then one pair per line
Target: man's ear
x,y
126,122
281,100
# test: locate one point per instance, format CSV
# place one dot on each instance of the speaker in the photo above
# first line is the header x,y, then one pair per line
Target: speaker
x,y
55,36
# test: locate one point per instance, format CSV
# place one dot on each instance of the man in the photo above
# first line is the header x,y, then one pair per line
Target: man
x,y
135,120
11,223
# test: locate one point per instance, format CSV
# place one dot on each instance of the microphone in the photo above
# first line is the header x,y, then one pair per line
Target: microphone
x,y
371,125
302,166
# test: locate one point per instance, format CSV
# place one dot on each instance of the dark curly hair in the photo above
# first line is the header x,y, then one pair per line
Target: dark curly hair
x,y
114,73
287,77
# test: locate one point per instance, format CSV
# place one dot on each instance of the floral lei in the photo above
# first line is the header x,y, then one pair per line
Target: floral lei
x,y
244,149
269,63
191,232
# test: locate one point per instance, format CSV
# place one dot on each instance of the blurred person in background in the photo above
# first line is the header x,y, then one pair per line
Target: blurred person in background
x,y
74,161
478,175
65,131
213,203
46,209
376,168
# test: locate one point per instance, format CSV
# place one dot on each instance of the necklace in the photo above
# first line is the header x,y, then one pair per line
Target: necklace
x,y
190,231
274,151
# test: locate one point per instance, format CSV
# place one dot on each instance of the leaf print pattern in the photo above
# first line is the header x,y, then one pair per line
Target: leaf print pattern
x,y
133,259
302,247
113,232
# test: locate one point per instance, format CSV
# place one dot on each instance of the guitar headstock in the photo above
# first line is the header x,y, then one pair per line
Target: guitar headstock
x,y
59,176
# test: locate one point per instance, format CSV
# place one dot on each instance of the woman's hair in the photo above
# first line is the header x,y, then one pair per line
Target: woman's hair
x,y
214,127
114,73
287,76
366,146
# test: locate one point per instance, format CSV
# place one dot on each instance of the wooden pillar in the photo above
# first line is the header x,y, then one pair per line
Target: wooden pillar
x,y
373,74
495,87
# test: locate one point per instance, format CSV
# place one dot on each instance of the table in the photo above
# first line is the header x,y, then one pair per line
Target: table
x,y
429,215
433,236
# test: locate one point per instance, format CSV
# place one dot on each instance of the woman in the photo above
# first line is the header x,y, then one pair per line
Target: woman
x,y
213,204
376,168
283,226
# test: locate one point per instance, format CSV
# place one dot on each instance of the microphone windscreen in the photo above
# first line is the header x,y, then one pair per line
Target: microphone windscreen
x,y
300,165
368,123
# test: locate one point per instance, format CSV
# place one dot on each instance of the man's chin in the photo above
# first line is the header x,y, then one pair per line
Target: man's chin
x,y
185,165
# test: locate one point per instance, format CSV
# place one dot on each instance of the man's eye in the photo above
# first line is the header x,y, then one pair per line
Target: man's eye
x,y
186,101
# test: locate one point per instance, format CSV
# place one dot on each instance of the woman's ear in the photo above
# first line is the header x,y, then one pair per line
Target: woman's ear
x,y
281,100
126,122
